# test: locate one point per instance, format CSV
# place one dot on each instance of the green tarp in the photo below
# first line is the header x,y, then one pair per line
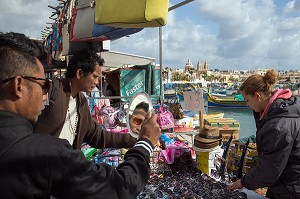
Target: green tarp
x,y
132,82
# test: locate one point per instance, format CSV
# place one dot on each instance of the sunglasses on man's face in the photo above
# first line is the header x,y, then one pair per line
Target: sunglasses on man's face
x,y
45,87
136,120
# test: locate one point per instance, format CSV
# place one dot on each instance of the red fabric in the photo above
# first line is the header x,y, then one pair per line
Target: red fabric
x,y
96,116
279,94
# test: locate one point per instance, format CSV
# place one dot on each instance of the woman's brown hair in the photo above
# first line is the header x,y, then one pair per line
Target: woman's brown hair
x,y
256,83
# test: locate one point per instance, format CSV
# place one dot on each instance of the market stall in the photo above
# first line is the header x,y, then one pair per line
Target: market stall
x,y
180,168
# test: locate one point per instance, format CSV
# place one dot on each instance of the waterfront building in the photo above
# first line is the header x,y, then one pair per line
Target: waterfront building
x,y
262,71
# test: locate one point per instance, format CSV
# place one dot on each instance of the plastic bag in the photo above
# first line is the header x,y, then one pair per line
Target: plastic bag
x,y
165,119
110,116
175,108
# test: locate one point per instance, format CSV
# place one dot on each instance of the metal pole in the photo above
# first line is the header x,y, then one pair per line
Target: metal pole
x,y
160,48
180,4
160,65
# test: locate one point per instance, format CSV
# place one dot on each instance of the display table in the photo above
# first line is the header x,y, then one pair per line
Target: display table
x,y
191,183
183,179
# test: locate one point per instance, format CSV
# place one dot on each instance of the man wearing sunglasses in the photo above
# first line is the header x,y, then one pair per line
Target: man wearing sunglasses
x,y
138,116
39,165
68,112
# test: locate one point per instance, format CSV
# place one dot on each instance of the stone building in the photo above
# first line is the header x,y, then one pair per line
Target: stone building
x,y
188,66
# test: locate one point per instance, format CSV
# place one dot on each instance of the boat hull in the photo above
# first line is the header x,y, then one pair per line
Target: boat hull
x,y
226,103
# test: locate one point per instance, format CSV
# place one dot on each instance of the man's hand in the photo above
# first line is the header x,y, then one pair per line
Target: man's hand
x,y
150,128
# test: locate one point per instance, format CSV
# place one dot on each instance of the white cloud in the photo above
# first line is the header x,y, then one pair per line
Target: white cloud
x,y
292,6
28,17
233,34
247,33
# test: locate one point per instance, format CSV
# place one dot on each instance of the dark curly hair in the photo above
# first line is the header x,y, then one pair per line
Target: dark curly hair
x,y
86,61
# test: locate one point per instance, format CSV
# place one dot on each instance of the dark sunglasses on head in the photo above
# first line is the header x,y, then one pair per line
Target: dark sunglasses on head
x,y
45,87
136,120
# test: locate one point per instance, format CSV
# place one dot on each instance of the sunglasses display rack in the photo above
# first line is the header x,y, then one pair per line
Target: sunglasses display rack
x,y
183,179
187,183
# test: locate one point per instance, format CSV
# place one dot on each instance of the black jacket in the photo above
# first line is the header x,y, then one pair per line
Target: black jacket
x,y
278,145
39,165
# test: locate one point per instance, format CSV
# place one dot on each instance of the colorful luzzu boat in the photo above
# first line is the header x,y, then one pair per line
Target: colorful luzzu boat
x,y
214,101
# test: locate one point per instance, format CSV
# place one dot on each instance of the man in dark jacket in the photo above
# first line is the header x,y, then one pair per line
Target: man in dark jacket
x,y
39,165
68,111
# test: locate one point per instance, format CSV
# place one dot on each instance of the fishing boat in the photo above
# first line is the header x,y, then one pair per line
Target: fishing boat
x,y
213,115
214,101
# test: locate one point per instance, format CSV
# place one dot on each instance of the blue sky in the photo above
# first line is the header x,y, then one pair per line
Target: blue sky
x,y
228,34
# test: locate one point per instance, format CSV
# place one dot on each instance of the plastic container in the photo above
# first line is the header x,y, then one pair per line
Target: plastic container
x,y
205,158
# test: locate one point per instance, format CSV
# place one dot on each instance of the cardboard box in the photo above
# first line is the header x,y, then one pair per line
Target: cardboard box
x,y
227,127
227,133
224,123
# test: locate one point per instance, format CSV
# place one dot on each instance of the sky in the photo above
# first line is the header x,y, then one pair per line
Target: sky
x,y
227,34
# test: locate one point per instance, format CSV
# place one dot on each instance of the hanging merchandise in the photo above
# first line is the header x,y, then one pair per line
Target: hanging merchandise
x,y
49,47
65,39
57,39
110,116
66,24
57,42
84,28
175,107
83,21
122,115
132,13
96,115
76,46
165,119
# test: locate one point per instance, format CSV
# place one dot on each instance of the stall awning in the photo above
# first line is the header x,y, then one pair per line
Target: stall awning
x,y
117,59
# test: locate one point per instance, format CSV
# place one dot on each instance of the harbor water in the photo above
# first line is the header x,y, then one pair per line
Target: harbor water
x,y
243,115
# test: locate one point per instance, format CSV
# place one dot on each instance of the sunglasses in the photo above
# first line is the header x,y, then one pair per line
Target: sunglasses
x,y
136,120
45,87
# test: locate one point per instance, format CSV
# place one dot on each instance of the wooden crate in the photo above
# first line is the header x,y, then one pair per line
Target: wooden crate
x,y
227,127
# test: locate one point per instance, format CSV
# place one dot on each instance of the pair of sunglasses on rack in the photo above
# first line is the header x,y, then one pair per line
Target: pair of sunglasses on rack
x,y
136,120
45,87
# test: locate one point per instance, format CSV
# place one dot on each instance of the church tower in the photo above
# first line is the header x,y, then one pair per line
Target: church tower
x,y
205,66
188,66
199,67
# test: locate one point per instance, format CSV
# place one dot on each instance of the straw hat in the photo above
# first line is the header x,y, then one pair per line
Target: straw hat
x,y
209,137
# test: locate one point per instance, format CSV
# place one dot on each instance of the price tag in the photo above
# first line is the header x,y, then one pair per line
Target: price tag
x,y
194,100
